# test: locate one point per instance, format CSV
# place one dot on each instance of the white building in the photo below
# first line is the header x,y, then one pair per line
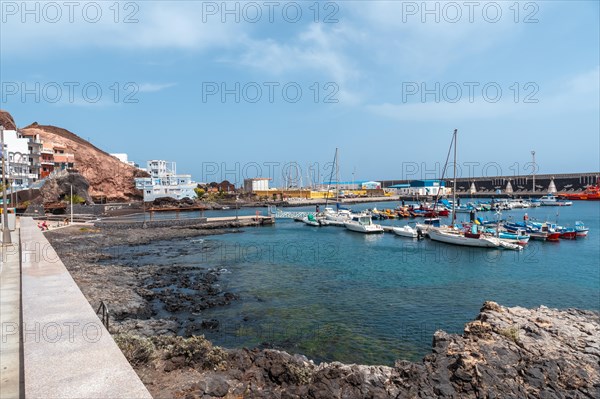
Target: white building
x,y
256,184
125,159
422,187
22,161
165,182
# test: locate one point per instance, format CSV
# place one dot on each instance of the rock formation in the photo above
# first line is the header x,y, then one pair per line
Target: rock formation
x,y
504,353
108,178
7,120
57,188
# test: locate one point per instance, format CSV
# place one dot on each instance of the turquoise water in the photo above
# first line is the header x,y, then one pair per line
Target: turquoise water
x,y
332,294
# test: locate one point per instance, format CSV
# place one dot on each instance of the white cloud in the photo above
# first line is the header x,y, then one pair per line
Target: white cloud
x,y
578,93
154,87
159,25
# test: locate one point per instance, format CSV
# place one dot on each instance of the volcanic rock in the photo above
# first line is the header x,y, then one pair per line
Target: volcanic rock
x,y
107,176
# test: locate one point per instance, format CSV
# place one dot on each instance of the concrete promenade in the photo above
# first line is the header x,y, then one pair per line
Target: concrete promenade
x,y
11,378
66,351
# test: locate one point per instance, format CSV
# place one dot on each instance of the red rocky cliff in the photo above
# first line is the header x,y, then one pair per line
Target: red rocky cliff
x,y
108,177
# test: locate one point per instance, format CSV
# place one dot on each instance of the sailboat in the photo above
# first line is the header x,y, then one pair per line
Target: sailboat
x,y
452,235
340,215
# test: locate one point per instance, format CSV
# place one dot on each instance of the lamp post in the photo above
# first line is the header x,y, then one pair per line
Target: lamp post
x,y
144,206
71,203
533,162
6,239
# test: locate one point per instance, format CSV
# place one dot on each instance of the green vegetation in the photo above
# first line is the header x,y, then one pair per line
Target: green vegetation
x,y
76,199
200,192
138,350
195,350
511,333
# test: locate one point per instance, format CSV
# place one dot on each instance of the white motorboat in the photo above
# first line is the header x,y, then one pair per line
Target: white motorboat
x,y
363,224
451,236
405,231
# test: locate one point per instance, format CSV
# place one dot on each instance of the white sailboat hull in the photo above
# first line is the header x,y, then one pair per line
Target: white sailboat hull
x,y
458,239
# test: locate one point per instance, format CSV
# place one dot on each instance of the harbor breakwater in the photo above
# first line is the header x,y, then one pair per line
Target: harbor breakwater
x,y
505,352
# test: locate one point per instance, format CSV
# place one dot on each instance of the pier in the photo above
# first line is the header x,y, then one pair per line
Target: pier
x,y
53,343
517,185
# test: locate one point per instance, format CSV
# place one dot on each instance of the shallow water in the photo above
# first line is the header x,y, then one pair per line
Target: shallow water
x,y
332,294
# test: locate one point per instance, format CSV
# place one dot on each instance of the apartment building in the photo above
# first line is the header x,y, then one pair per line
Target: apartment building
x,y
165,182
22,159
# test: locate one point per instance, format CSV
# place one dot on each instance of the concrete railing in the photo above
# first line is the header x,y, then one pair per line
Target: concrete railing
x,y
67,352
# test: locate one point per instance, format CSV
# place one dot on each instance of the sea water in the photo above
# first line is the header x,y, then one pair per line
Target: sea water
x,y
332,294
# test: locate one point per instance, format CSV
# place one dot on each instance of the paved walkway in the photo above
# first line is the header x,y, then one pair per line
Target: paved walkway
x,y
11,378
67,352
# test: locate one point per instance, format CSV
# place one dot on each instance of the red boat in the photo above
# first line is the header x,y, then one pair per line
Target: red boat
x,y
589,194
553,237
568,235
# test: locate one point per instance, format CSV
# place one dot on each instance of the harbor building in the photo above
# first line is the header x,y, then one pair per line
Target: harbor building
x,y
165,182
256,184
422,187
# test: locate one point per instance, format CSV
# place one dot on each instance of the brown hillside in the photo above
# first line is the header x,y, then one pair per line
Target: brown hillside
x,y
7,120
108,177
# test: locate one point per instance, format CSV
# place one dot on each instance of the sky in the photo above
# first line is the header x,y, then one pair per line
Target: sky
x,y
234,90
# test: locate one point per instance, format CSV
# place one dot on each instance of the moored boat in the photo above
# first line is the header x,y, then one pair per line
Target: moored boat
x,y
405,231
589,194
363,224
457,237
580,229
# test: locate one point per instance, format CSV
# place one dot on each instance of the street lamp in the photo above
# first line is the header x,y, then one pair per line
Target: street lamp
x,y
71,203
6,239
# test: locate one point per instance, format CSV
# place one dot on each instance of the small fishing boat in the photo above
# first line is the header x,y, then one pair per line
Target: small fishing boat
x,y
519,238
405,231
363,224
311,220
551,200
567,233
580,229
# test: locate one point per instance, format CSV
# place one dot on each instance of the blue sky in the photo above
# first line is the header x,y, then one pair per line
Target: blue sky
x,y
388,77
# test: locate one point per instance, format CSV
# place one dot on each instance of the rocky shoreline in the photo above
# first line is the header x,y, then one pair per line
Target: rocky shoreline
x,y
504,353
147,289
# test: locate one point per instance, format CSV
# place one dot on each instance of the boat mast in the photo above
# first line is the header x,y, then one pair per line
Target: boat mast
x,y
337,177
454,186
331,176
